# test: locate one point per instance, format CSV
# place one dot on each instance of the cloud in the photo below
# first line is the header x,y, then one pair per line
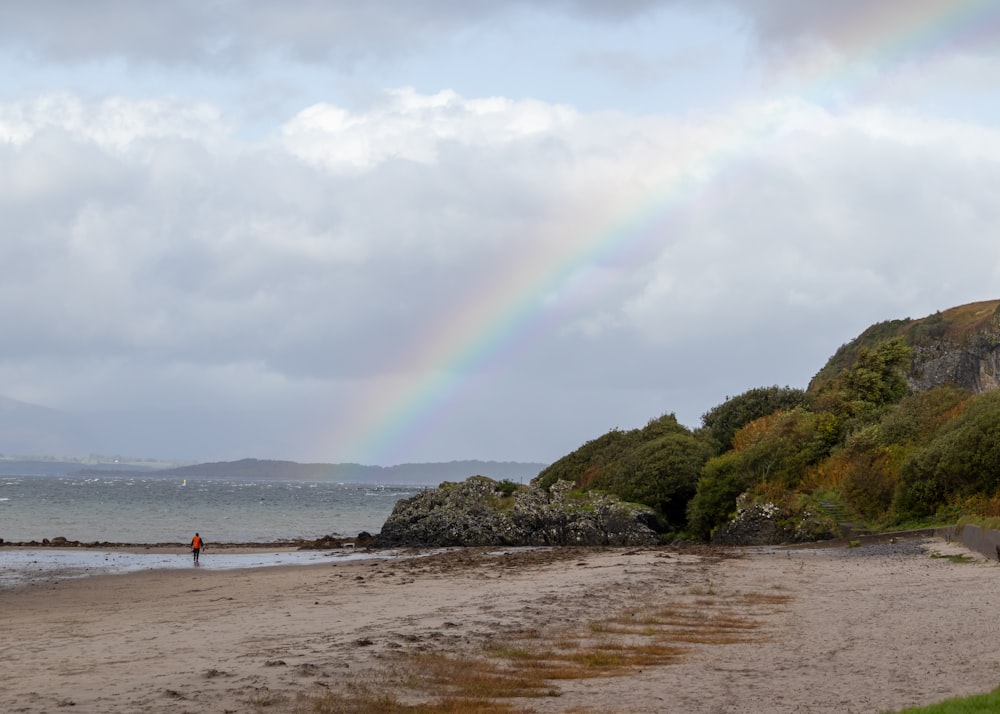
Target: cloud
x,y
154,256
240,32
409,126
851,22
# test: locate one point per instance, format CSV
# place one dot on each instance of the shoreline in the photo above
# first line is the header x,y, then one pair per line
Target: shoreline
x,y
24,567
320,543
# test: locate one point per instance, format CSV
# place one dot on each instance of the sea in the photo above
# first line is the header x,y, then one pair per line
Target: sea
x,y
160,510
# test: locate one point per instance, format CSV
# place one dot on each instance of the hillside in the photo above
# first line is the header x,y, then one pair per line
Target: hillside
x,y
960,346
901,427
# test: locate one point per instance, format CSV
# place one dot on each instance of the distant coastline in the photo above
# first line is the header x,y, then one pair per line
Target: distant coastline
x,y
275,470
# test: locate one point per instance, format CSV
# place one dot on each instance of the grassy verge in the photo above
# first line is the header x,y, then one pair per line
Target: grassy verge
x,y
979,704
955,558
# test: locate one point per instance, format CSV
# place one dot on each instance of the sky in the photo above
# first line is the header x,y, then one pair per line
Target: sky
x,y
400,231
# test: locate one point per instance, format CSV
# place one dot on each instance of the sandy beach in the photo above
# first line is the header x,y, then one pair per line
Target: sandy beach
x,y
866,629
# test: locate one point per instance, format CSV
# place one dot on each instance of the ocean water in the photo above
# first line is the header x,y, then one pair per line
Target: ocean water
x,y
149,510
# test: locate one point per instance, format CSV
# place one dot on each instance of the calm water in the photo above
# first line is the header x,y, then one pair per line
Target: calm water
x,y
138,510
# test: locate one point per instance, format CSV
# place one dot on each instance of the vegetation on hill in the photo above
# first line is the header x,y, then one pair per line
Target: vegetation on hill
x,y
868,438
657,466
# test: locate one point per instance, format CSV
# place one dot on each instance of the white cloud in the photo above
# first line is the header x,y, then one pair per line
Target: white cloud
x,y
410,126
157,258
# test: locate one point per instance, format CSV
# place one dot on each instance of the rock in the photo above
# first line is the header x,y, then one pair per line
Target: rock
x,y
770,524
973,363
481,512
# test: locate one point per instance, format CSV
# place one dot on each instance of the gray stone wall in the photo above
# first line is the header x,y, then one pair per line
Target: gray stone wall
x,y
982,540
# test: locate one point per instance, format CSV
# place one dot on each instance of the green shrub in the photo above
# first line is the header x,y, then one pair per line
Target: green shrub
x,y
723,479
656,466
962,459
724,420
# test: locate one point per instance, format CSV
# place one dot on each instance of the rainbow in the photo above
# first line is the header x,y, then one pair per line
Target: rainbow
x,y
505,317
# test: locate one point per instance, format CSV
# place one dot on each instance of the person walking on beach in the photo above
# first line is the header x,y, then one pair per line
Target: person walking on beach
x,y
196,545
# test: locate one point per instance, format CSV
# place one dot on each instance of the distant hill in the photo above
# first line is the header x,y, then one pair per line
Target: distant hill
x,y
430,474
67,467
31,429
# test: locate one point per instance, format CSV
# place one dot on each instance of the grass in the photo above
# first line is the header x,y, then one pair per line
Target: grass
x,y
984,522
955,558
531,665
978,704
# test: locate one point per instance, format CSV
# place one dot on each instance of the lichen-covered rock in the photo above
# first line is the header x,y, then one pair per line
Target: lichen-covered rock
x,y
479,511
770,524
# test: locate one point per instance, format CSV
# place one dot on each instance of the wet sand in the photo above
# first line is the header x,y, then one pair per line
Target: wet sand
x,y
25,566
866,629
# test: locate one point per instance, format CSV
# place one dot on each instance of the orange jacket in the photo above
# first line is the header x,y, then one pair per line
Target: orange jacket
x,y
196,542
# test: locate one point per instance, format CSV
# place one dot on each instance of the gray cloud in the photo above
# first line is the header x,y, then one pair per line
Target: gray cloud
x,y
240,32
851,21
194,268
188,32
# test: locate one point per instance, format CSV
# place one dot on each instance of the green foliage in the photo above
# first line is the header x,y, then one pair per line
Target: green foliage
x,y
962,459
870,474
861,394
928,330
723,479
776,449
661,473
875,377
657,466
724,420
954,557
847,355
507,487
872,456
889,457
919,415
978,704
580,467
780,448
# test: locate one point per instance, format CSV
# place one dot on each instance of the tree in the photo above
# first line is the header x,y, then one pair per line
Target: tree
x,y
722,480
867,391
662,474
724,420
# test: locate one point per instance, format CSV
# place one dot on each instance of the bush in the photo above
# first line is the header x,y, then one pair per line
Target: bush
x,y
724,420
722,481
870,474
962,459
657,466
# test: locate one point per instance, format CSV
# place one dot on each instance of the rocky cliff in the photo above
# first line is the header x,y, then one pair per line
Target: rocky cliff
x,y
965,354
959,346
483,512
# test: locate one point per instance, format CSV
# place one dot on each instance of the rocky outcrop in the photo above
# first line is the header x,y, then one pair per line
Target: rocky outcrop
x,y
770,524
482,512
973,364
